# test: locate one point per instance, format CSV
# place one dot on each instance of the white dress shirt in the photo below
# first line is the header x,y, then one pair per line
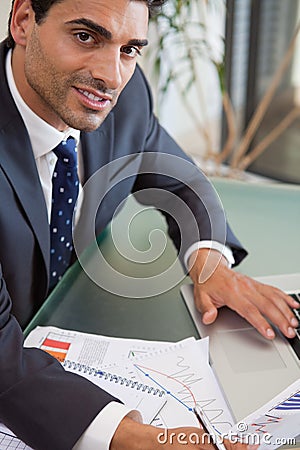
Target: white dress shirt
x,y
44,138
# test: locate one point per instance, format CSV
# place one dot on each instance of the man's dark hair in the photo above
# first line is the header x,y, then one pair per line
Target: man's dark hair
x,y
41,8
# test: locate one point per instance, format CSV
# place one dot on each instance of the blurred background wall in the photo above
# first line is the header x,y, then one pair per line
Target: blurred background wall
x,y
5,8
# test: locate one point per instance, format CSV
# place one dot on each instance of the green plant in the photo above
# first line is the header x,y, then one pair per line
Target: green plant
x,y
183,40
182,37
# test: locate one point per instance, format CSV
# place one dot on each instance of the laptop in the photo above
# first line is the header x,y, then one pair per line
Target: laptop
x,y
250,369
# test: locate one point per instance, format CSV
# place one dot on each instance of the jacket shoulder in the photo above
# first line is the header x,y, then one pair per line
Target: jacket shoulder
x,y
136,98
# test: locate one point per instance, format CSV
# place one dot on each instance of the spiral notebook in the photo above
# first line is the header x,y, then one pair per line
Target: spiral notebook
x,y
78,353
146,399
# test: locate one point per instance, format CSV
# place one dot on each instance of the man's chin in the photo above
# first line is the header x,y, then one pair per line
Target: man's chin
x,y
88,123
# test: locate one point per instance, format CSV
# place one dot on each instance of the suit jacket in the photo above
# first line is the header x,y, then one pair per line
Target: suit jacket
x,y
130,137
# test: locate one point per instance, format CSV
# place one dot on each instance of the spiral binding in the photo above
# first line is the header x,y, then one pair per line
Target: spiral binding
x,y
111,377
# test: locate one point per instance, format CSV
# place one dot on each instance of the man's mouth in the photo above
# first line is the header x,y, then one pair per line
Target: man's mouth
x,y
93,100
91,96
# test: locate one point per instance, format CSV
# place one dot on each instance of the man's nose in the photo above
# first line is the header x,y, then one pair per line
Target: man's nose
x,y
107,68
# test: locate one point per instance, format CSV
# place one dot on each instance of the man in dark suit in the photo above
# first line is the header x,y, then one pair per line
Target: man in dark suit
x,y
67,69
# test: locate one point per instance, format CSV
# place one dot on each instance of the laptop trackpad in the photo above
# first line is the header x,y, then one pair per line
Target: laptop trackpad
x,y
248,351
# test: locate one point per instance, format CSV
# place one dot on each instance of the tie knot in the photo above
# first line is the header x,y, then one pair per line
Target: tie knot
x,y
66,152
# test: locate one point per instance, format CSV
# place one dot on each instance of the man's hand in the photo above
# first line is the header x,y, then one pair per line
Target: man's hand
x,y
131,435
216,285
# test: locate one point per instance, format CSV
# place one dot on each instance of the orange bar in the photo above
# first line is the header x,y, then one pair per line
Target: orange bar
x,y
60,356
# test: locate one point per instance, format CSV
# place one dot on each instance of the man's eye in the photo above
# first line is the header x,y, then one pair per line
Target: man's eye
x,y
84,37
131,51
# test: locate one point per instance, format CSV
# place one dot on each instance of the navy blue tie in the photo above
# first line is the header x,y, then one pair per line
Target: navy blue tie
x,y
64,195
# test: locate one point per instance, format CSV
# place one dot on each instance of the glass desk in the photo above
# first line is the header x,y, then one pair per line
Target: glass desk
x,y
265,218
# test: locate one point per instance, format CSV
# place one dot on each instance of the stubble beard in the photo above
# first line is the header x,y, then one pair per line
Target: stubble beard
x,y
52,88
54,97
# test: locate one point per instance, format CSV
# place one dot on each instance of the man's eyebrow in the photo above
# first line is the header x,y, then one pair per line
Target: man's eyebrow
x,y
99,29
138,42
92,26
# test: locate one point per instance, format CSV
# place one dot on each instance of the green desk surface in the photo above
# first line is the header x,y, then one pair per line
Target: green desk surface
x,y
79,303
265,218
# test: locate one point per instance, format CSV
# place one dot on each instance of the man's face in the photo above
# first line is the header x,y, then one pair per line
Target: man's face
x,y
73,66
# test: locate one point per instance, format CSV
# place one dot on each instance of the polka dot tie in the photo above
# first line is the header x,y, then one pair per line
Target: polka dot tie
x,y
64,195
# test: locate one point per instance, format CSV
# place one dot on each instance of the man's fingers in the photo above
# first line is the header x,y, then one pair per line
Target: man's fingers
x,y
239,446
290,300
251,313
280,313
205,305
282,301
261,305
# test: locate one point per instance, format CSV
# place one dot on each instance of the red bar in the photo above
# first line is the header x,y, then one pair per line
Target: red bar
x,y
56,344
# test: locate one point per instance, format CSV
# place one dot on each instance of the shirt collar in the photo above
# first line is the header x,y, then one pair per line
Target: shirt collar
x,y
43,136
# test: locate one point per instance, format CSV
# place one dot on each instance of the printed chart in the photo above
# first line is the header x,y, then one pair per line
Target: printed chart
x,y
8,442
277,422
291,404
96,351
57,345
188,381
278,415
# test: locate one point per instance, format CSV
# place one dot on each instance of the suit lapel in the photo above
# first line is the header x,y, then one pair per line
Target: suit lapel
x,y
97,147
97,150
17,162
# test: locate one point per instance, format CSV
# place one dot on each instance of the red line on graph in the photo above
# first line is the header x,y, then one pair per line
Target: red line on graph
x,y
171,378
264,424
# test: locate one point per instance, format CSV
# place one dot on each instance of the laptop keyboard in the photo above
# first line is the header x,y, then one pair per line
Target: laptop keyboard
x,y
295,342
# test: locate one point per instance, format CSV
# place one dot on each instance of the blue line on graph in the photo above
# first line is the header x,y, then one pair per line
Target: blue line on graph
x,y
162,387
287,408
169,393
292,403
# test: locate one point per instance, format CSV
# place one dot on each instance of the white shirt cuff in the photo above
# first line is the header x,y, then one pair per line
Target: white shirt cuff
x,y
214,245
100,432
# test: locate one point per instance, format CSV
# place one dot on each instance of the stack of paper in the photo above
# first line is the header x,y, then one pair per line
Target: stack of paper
x,y
181,369
165,381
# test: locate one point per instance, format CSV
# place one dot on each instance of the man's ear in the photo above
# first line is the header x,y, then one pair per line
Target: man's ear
x,y
22,21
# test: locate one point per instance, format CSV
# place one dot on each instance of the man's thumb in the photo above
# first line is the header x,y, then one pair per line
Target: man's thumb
x,y
207,308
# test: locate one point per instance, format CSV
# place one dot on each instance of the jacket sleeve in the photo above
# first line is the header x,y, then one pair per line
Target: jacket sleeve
x,y
171,181
45,406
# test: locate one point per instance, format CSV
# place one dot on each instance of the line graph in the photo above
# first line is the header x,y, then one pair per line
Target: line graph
x,y
145,371
262,424
188,380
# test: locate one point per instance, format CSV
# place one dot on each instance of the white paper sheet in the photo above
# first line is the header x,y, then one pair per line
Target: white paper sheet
x,y
276,423
92,350
185,373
